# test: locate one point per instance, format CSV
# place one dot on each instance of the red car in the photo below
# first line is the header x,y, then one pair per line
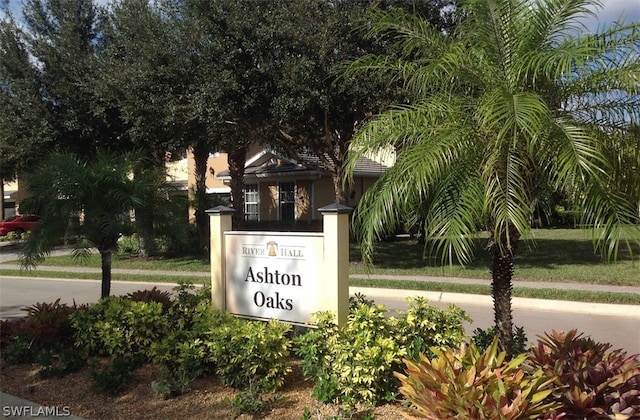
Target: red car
x,y
19,224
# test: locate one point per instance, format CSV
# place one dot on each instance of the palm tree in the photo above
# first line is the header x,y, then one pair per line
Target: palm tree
x,y
507,104
89,202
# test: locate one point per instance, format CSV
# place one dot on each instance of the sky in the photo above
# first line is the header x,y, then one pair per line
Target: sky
x,y
611,11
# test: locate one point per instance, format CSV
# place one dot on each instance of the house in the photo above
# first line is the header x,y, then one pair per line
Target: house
x,y
280,189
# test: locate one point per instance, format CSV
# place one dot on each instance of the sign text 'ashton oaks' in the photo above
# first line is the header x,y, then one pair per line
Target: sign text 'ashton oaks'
x,y
267,277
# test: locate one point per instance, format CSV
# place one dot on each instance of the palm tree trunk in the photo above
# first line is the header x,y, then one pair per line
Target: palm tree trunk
x,y
106,273
501,288
502,254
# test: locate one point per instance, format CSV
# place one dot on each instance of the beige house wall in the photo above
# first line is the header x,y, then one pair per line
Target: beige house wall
x,y
325,194
360,185
268,201
217,162
306,203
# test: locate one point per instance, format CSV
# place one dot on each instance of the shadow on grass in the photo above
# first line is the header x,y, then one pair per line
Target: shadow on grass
x,y
407,253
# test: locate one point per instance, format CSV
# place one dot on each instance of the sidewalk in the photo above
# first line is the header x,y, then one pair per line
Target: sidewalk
x,y
457,280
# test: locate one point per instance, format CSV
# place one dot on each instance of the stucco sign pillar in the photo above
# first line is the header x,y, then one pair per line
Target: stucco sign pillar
x,y
335,287
220,222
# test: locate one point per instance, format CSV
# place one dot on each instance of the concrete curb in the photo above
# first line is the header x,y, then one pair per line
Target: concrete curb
x,y
630,311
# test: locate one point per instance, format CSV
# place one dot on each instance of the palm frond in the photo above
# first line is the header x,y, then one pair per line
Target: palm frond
x,y
612,216
553,21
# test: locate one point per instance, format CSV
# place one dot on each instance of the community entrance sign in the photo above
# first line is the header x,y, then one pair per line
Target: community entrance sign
x,y
281,275
273,275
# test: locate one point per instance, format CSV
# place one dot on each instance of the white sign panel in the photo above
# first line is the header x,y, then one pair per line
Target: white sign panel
x,y
273,275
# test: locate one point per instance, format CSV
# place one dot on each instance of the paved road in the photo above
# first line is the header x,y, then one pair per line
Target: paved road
x,y
619,327
18,292
617,324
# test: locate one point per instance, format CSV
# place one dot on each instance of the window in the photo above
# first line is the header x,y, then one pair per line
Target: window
x,y
251,201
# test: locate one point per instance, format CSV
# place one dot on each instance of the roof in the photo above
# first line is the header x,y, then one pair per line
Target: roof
x,y
268,163
367,167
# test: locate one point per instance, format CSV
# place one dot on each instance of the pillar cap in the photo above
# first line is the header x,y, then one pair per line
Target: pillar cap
x,y
335,208
220,210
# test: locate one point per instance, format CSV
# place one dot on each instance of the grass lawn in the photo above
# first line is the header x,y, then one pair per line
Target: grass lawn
x,y
550,255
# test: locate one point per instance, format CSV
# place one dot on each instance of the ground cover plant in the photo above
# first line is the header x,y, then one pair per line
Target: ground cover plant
x,y
472,384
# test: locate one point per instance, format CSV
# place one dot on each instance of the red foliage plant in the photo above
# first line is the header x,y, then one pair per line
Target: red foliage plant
x,y
592,381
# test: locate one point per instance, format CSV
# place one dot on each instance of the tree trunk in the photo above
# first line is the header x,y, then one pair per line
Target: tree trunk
x,y
237,159
501,274
340,193
501,288
144,222
106,273
200,157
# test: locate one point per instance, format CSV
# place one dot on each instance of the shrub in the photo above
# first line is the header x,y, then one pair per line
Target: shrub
x,y
43,335
129,245
484,338
352,364
111,375
183,359
355,363
473,385
20,349
117,326
11,236
8,329
249,401
592,381
314,348
251,354
59,359
152,295
184,354
50,322
423,327
358,298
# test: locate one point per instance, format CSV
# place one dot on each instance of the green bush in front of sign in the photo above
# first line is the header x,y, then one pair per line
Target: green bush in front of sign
x,y
354,364
118,326
423,327
251,355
